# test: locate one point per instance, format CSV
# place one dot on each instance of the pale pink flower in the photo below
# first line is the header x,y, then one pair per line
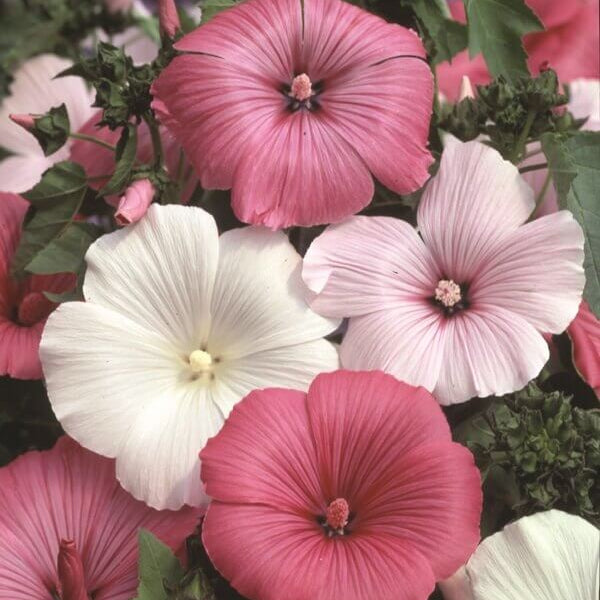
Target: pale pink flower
x,y
294,104
135,202
353,491
68,530
23,305
569,45
461,308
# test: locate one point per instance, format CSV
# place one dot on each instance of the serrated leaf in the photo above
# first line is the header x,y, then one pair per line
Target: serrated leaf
x,y
55,201
212,7
575,166
157,566
125,157
495,29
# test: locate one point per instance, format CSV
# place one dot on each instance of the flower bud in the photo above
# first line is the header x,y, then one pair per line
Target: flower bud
x,y
168,17
70,572
25,121
466,89
135,202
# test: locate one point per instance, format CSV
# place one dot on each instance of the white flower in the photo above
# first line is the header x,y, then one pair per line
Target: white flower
x,y
178,326
549,556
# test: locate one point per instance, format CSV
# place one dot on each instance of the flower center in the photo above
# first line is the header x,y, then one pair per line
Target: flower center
x,y
301,87
447,292
200,361
336,517
33,308
302,93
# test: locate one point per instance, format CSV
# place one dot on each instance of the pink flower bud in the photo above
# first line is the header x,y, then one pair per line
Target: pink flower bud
x,y
466,89
168,17
135,202
70,572
25,121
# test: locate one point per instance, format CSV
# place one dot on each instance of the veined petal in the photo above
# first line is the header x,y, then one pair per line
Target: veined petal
x,y
159,273
19,347
475,200
550,555
584,332
536,272
12,212
258,302
367,264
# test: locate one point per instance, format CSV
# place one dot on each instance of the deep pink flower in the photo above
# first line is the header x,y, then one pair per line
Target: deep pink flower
x,y
353,491
66,527
569,45
584,332
294,104
460,310
168,17
23,305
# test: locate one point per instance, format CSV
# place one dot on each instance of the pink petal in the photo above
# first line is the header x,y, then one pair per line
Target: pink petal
x,y
489,351
71,493
280,470
12,213
367,264
536,272
408,341
264,552
19,350
306,175
475,200
584,332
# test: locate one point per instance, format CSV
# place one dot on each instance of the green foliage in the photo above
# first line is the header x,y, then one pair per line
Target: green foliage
x,y
52,129
51,241
212,7
495,29
125,159
537,452
443,36
574,162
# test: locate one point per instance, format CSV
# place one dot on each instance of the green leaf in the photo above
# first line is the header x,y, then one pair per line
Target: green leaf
x,y
445,36
495,29
55,201
575,166
212,7
52,129
125,157
157,566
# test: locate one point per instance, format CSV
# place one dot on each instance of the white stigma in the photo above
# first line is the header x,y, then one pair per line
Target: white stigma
x,y
200,361
448,292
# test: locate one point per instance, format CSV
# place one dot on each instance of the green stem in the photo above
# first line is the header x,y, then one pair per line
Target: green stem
x,y
93,140
535,167
156,141
540,197
522,141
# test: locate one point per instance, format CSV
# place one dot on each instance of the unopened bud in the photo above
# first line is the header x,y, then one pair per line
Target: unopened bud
x,y
135,202
25,121
168,18
70,572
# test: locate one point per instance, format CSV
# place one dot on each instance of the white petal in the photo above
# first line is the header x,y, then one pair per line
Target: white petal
x,y
258,303
475,200
20,173
549,556
585,102
160,273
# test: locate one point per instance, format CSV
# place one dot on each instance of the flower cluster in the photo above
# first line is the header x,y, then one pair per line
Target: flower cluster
x,y
287,312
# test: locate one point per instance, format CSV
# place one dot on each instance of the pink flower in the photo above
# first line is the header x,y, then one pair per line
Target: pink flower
x,y
461,309
584,332
68,530
23,305
569,45
294,104
168,17
135,202
352,491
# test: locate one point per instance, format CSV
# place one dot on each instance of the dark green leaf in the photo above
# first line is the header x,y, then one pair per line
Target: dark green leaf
x,y
212,7
495,29
157,566
575,166
55,201
125,157
52,129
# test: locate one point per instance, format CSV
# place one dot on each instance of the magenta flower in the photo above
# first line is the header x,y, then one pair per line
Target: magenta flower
x,y
584,332
462,308
294,104
353,491
68,531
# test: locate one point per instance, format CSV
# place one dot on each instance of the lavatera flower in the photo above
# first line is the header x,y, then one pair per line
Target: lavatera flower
x,y
294,104
461,308
178,326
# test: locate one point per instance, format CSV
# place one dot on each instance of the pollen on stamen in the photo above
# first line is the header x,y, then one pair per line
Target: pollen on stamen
x,y
337,514
448,292
200,361
301,87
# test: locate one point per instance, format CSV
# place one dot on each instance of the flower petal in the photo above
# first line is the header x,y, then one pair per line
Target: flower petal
x,y
584,332
159,273
19,174
12,212
258,302
489,351
19,350
550,555
307,174
367,264
536,272
584,102
475,200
